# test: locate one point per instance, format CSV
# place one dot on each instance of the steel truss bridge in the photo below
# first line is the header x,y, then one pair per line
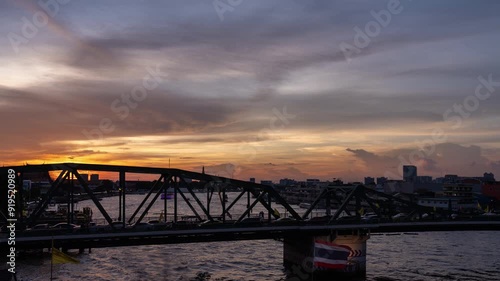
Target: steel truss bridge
x,y
122,231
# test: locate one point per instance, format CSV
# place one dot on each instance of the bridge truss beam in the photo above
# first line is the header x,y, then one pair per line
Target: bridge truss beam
x,y
174,178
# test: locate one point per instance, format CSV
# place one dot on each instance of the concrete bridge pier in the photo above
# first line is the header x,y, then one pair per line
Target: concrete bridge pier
x,y
340,254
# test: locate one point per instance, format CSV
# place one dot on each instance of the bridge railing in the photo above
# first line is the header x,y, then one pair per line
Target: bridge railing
x,y
192,218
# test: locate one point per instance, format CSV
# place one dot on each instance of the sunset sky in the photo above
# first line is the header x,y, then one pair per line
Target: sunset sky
x,y
264,89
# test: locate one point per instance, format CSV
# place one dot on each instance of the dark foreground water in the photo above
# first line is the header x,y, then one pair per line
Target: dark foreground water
x,y
426,256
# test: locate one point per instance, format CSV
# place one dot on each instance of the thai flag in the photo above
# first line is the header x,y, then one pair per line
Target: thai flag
x,y
330,255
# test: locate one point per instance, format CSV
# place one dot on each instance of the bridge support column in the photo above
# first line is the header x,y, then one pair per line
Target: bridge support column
x,y
340,254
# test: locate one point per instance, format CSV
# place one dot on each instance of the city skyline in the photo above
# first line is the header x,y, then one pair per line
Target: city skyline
x,y
96,176
260,89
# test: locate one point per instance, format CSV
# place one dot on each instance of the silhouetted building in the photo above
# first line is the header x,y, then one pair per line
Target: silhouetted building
x,y
381,180
337,181
409,173
488,177
266,182
455,203
424,179
312,182
460,189
252,180
428,188
287,182
450,178
85,177
369,181
438,180
398,186
94,178
491,189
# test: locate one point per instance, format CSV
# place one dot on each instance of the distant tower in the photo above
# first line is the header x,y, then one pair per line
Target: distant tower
x,y
410,173
203,170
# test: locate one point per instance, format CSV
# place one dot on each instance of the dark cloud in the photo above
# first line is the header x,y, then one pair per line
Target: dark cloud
x,y
495,165
365,155
74,155
259,44
76,106
83,108
429,165
226,79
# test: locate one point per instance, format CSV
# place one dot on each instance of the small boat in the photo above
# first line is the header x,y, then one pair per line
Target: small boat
x,y
304,205
167,196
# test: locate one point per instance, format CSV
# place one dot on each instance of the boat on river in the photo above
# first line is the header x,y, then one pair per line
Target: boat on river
x,y
304,205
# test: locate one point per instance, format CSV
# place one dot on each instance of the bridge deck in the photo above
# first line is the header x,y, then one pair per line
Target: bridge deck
x,y
74,241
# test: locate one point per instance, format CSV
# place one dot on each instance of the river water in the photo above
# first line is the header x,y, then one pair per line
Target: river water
x,y
422,256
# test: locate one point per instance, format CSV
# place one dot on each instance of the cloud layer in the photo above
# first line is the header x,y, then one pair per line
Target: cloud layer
x,y
267,84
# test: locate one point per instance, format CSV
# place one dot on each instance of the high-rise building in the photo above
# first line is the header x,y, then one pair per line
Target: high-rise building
x,y
252,180
409,173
